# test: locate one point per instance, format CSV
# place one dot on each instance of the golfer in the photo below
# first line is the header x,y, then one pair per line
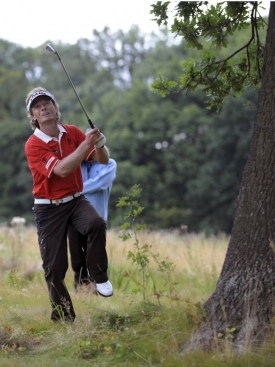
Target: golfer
x,y
54,153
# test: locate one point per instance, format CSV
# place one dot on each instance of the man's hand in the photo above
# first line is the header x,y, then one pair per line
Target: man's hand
x,y
102,142
95,137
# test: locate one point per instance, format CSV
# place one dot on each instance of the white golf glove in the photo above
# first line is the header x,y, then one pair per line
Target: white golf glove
x,y
102,142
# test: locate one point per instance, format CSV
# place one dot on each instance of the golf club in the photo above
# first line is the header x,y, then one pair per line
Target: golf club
x,y
51,49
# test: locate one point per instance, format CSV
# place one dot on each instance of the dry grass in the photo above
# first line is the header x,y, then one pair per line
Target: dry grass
x,y
195,254
198,260
185,251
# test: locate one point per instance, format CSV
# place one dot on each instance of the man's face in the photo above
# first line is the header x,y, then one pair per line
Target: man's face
x,y
43,110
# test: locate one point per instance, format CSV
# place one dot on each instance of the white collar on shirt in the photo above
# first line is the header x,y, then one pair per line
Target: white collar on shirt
x,y
46,138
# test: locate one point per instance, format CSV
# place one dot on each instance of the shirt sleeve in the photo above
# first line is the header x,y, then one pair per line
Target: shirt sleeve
x,y
90,153
100,177
40,157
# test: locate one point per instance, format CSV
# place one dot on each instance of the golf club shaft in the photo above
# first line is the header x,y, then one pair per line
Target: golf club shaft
x,y
51,49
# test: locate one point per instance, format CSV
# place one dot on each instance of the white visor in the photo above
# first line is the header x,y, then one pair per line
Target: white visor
x,y
38,94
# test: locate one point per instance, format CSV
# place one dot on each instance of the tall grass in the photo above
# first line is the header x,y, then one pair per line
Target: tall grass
x,y
121,330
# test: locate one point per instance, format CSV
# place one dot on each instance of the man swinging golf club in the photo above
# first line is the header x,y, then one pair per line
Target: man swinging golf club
x,y
54,153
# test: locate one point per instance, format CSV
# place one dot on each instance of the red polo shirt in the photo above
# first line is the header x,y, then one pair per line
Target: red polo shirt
x,y
43,152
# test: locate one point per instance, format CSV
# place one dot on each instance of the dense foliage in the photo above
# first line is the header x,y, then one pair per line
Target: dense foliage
x,y
188,160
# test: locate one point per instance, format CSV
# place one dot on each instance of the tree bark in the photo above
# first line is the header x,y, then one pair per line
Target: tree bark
x,y
242,307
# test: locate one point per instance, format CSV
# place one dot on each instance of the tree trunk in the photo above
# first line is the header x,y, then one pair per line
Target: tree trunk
x,y
242,307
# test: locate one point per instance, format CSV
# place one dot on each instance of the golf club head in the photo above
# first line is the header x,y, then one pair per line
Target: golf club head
x,y
51,49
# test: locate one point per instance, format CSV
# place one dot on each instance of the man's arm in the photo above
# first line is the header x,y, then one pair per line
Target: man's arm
x,y
102,155
68,164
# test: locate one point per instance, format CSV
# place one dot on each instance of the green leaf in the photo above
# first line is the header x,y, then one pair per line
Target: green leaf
x,y
124,226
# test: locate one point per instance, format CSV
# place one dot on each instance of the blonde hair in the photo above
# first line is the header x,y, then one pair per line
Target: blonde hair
x,y
34,123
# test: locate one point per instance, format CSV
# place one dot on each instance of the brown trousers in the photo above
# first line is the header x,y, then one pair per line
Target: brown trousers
x,y
52,223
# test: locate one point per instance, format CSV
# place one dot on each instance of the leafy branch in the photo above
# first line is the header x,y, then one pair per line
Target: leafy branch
x,y
218,77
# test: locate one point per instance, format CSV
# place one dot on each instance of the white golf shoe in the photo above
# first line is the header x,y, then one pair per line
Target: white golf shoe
x,y
105,289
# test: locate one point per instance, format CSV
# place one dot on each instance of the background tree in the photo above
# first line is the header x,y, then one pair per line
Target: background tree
x,y
168,146
242,304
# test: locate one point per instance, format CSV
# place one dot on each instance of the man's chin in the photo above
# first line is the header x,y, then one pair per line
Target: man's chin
x,y
48,120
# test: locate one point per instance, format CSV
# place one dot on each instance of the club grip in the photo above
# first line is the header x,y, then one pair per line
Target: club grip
x,y
91,124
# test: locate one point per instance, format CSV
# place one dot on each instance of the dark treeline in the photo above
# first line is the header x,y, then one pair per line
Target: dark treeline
x,y
187,159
